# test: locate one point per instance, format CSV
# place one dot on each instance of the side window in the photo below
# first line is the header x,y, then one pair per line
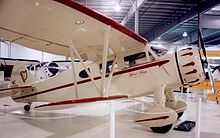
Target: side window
x,y
108,67
83,74
135,59
159,51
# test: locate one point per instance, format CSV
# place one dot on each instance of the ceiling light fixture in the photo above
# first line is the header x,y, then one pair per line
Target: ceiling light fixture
x,y
185,34
37,3
159,45
117,7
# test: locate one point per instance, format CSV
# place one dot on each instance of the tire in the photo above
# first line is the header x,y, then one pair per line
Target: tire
x,y
27,107
163,129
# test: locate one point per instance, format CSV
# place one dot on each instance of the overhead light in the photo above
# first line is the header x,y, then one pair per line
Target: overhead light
x,y
185,34
117,7
79,22
37,3
159,45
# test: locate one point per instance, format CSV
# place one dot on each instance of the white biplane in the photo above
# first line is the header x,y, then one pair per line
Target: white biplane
x,y
115,62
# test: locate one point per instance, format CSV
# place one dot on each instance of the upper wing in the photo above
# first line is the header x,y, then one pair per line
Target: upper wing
x,y
49,26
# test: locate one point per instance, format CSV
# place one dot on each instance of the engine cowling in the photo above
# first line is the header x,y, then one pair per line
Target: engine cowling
x,y
190,65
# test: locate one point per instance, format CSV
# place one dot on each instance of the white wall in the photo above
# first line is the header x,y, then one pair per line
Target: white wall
x,y
12,50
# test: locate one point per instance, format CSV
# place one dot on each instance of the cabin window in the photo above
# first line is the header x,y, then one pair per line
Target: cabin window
x,y
135,59
84,74
159,51
108,67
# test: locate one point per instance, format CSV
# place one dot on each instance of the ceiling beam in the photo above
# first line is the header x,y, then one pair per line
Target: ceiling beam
x,y
159,30
170,3
132,11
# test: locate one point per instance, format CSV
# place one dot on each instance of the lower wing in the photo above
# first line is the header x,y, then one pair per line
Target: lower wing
x,y
70,103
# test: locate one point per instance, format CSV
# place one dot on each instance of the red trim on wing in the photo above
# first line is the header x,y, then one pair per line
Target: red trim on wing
x,y
85,100
103,19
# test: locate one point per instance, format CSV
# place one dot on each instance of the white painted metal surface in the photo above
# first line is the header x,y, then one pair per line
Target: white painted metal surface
x,y
134,76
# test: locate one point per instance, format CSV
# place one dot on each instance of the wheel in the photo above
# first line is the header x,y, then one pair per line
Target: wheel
x,y
163,129
180,114
27,107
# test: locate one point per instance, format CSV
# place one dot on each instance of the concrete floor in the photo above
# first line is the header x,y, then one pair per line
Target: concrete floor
x,y
92,120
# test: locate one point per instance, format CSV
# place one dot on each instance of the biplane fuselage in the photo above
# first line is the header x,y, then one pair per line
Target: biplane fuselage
x,y
139,79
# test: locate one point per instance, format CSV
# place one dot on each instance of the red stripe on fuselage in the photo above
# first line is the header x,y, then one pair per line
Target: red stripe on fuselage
x,y
135,68
103,19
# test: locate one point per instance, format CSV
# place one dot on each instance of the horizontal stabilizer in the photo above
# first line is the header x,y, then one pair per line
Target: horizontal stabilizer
x,y
15,88
10,91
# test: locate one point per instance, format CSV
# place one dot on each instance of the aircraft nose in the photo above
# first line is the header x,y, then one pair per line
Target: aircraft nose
x,y
191,67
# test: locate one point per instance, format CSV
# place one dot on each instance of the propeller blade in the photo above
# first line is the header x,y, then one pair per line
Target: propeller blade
x,y
211,79
202,46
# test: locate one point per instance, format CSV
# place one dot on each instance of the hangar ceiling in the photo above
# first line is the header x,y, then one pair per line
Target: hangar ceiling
x,y
168,19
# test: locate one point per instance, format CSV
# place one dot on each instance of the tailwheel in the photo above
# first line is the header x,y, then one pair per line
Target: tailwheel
x,y
180,114
27,107
162,129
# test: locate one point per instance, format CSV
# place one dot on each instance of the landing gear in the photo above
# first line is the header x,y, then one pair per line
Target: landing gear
x,y
162,129
159,118
179,106
27,107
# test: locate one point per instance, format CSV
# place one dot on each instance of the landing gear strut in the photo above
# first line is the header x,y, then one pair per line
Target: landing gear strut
x,y
179,106
27,107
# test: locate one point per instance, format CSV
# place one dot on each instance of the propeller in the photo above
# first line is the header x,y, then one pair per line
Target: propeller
x,y
202,46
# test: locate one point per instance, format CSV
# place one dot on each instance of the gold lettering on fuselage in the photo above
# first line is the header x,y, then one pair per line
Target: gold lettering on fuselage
x,y
137,74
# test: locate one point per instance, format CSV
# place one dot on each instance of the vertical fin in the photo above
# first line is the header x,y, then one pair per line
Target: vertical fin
x,y
21,76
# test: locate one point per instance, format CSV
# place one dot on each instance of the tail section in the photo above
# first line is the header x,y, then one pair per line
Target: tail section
x,y
21,76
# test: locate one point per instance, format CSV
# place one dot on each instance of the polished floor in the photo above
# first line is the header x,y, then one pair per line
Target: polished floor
x,y
92,120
